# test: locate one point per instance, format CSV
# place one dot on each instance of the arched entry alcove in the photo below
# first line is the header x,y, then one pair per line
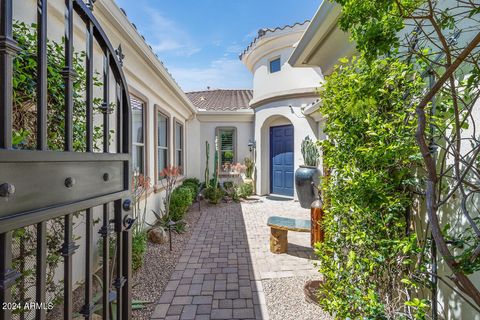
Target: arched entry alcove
x,y
264,173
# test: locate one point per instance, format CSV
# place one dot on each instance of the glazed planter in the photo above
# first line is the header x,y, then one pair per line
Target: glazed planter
x,y
307,180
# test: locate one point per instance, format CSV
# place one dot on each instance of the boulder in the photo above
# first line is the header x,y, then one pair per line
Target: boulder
x,y
157,235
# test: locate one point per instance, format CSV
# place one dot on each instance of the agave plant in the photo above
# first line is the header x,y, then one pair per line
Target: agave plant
x,y
310,152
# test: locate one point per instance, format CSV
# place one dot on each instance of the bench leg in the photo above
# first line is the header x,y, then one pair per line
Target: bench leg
x,y
278,240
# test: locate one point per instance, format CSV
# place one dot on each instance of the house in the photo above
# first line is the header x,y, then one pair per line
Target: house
x,y
269,122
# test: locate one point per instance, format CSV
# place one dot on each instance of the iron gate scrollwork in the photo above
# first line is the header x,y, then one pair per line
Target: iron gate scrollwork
x,y
39,185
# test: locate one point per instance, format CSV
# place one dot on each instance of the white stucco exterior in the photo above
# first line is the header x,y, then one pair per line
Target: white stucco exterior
x,y
204,127
280,98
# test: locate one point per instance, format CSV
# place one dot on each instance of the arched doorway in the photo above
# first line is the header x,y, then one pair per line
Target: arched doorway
x,y
277,157
281,160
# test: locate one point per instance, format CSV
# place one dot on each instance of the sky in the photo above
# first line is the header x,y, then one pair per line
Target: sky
x,y
199,41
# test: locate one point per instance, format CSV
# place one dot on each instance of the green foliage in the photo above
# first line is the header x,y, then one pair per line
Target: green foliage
x,y
181,200
215,164
24,117
228,185
192,185
192,181
374,24
213,195
24,97
231,190
367,257
139,247
310,152
245,190
250,167
207,161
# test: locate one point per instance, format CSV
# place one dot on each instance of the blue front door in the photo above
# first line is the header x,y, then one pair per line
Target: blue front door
x,y
281,160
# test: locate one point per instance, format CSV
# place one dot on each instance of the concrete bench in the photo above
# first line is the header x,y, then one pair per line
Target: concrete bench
x,y
279,227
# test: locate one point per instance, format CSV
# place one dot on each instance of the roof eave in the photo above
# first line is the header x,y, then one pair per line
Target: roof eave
x,y
318,39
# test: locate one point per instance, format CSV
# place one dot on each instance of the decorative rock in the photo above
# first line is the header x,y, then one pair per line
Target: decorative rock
x,y
157,235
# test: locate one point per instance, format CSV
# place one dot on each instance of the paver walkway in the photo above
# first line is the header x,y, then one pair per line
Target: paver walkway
x,y
219,274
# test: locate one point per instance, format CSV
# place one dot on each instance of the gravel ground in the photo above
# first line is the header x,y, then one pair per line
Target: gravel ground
x,y
150,280
286,300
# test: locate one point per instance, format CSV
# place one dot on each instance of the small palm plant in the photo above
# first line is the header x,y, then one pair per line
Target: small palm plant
x,y
310,152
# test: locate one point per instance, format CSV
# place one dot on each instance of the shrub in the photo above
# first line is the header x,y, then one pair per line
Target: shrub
x,y
245,190
139,247
231,190
181,200
228,185
368,257
192,180
214,195
192,186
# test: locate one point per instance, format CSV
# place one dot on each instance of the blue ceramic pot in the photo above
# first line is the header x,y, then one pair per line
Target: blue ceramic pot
x,y
307,180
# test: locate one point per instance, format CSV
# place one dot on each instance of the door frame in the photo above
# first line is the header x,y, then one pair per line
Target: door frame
x,y
270,164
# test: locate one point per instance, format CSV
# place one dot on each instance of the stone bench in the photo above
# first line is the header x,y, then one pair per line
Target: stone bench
x,y
279,227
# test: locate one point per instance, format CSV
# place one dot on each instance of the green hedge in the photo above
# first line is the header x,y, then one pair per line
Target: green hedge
x,y
181,200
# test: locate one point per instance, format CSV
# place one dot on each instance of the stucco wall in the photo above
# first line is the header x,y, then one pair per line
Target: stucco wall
x,y
207,133
280,113
285,80
147,79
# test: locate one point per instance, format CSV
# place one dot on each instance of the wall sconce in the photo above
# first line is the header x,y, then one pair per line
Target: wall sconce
x,y
252,144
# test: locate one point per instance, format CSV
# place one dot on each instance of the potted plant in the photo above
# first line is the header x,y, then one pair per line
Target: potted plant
x,y
307,176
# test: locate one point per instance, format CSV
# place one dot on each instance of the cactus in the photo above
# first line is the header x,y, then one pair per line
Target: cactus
x,y
310,152
207,167
215,163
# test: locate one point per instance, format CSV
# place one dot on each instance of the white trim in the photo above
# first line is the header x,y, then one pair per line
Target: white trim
x,y
323,35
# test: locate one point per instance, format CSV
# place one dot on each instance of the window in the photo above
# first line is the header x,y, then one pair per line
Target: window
x,y
275,65
138,135
227,145
162,143
178,144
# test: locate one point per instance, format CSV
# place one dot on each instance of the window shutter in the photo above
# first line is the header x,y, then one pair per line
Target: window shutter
x,y
227,148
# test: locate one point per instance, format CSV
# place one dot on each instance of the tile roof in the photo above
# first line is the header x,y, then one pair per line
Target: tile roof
x,y
221,99
264,31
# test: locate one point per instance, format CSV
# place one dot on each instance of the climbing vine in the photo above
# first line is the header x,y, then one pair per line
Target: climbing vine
x,y
368,257
434,47
24,137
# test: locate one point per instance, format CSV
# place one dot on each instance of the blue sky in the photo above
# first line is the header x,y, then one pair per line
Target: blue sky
x,y
200,40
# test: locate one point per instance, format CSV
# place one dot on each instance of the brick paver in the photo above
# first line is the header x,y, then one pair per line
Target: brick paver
x,y
219,274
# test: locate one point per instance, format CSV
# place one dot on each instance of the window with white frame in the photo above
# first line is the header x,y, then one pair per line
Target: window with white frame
x,y
178,144
162,143
138,135
227,145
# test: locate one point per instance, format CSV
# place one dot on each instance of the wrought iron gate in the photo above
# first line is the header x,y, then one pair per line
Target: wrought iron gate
x,y
37,186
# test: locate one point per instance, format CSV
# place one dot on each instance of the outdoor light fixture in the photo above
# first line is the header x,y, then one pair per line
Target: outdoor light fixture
x,y
252,144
